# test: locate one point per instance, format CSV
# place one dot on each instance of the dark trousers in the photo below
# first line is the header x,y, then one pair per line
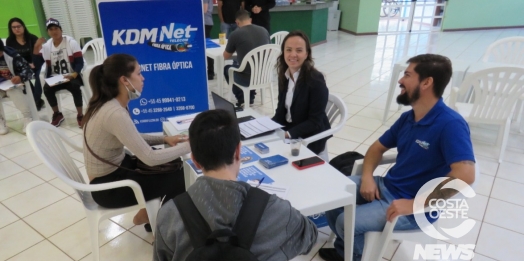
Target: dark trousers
x,y
72,86
210,62
37,88
262,19
153,186
242,79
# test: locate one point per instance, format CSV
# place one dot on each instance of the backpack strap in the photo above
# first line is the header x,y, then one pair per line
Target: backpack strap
x,y
196,226
249,216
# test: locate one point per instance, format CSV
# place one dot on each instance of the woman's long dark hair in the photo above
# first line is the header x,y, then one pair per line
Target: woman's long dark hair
x,y
104,81
307,67
12,34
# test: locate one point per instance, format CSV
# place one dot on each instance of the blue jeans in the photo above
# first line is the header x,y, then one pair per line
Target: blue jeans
x,y
369,216
227,28
242,79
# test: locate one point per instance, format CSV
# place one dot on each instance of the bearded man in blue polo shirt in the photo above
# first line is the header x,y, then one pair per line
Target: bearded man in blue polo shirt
x,y
432,141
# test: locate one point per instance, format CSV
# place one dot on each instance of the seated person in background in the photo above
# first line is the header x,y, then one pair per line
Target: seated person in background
x,y
283,232
244,39
108,128
62,55
15,69
432,141
25,44
302,92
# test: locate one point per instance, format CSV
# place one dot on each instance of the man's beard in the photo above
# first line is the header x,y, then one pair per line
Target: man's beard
x,y
405,99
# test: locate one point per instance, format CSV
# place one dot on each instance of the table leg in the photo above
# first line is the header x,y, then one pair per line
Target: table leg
x,y
220,74
349,231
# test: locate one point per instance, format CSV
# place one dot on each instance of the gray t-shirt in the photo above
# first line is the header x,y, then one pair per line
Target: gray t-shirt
x,y
208,15
282,234
245,39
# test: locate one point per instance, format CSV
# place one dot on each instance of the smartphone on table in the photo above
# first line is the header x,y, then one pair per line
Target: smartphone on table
x,y
307,163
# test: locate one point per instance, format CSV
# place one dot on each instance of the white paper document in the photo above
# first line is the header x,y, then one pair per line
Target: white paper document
x,y
258,126
279,191
6,85
56,80
182,122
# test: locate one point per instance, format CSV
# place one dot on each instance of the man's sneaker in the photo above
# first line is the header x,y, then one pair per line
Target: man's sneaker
x,y
239,104
26,122
210,76
40,104
79,118
58,118
3,127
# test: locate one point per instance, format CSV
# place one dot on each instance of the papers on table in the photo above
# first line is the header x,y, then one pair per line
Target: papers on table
x,y
6,85
258,126
279,191
182,122
254,174
56,80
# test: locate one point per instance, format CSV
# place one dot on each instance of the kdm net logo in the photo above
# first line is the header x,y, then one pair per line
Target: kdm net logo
x,y
455,210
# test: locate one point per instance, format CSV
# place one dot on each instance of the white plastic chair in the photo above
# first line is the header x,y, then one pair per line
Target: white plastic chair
x,y
29,99
508,50
261,60
375,243
495,92
335,109
99,50
278,37
48,143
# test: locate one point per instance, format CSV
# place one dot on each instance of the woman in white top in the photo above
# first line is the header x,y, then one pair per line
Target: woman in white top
x,y
108,128
302,92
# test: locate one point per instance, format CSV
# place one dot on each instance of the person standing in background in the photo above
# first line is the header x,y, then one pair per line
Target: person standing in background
x,y
260,12
208,21
24,44
226,13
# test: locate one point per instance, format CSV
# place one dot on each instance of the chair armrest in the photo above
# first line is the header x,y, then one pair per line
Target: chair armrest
x,y
319,136
453,97
386,159
110,185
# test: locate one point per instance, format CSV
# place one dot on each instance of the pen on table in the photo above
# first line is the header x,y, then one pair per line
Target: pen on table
x,y
260,182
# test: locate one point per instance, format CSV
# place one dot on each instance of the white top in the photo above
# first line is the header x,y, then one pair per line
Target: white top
x,y
60,56
290,91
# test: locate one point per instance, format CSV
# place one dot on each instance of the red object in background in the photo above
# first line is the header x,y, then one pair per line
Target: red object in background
x,y
215,2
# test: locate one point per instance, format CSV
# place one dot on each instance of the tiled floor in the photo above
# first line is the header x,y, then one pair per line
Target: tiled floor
x,y
42,219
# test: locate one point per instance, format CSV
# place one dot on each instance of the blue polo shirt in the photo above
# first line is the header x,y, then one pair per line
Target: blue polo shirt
x,y
426,149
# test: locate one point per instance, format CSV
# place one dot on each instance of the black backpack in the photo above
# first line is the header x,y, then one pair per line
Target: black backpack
x,y
205,243
344,162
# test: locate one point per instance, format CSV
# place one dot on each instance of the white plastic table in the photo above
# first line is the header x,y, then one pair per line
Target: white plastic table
x,y
311,190
217,54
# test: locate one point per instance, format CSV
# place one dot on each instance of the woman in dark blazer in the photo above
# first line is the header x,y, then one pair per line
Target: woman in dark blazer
x,y
302,92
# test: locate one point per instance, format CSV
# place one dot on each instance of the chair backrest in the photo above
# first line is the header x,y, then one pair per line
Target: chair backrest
x,y
278,37
335,109
48,143
99,50
508,50
262,61
495,92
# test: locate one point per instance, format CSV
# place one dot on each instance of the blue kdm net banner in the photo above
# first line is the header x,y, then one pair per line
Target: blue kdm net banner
x,y
167,39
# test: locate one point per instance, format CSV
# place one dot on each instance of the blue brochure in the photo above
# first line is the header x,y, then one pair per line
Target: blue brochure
x,y
211,44
247,155
192,164
254,174
273,161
